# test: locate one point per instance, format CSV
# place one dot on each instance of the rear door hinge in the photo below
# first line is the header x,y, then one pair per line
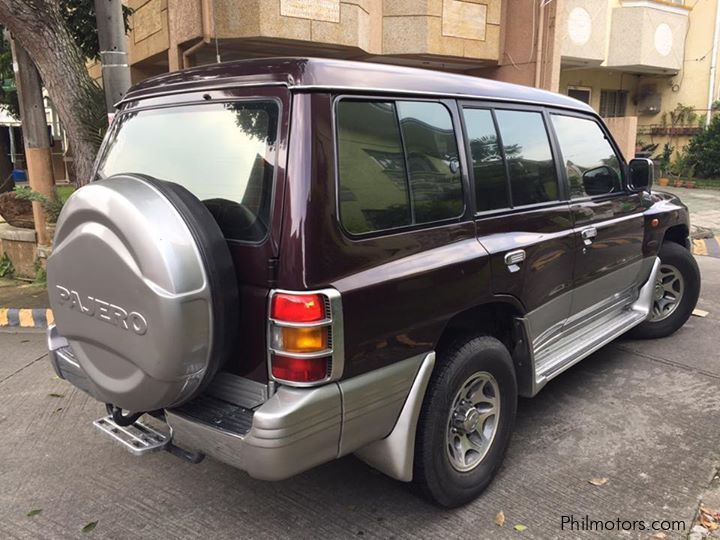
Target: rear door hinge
x,y
273,264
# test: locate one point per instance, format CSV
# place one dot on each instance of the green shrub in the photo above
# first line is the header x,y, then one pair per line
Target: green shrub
x,y
40,274
683,166
663,158
52,207
7,270
704,150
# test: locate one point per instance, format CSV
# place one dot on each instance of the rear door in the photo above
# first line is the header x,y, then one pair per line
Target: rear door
x,y
522,216
607,216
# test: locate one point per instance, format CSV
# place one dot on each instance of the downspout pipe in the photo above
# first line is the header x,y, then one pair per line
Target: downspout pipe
x,y
539,48
207,14
713,65
187,53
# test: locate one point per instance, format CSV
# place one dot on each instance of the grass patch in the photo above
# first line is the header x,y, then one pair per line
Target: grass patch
x,y
707,183
64,192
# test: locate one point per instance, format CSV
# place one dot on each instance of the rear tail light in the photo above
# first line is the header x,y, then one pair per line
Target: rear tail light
x,y
305,345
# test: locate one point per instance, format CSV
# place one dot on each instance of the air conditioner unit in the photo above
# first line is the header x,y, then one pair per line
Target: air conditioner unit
x,y
649,100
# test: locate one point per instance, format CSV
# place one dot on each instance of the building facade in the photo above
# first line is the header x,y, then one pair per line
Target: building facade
x,y
645,65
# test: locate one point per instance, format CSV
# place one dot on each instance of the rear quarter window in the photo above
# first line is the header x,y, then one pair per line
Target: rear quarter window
x,y
223,153
398,165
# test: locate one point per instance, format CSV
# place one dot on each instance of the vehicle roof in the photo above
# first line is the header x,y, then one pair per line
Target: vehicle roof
x,y
305,74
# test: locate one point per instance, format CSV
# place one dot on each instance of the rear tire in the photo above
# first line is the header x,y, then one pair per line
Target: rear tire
x,y
676,296
466,421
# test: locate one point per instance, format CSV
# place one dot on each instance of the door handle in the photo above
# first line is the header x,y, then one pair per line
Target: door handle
x,y
514,258
588,235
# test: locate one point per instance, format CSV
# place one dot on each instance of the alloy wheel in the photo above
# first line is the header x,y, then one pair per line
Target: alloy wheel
x,y
473,421
668,293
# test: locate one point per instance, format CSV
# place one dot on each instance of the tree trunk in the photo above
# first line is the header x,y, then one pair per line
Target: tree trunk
x,y
39,27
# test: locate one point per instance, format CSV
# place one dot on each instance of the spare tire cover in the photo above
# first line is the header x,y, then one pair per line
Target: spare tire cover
x,y
142,286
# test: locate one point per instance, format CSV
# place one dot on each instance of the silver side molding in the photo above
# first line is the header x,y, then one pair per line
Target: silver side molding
x,y
598,328
394,454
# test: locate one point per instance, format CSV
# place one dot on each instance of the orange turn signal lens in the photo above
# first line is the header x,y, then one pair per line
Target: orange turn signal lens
x,y
300,340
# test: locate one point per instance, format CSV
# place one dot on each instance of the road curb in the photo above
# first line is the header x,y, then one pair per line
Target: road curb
x,y
25,317
706,246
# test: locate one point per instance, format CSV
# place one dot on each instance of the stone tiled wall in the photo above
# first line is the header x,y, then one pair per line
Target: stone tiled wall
x,y
464,29
459,28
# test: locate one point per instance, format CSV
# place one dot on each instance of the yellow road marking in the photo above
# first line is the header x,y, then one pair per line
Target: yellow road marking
x,y
699,247
26,318
3,317
49,316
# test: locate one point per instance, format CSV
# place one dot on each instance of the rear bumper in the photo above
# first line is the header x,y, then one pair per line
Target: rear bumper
x,y
296,428
291,432
299,428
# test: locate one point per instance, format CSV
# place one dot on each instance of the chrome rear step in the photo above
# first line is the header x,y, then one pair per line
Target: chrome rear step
x,y
137,438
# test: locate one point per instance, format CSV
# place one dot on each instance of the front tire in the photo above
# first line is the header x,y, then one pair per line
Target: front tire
x,y
676,292
466,421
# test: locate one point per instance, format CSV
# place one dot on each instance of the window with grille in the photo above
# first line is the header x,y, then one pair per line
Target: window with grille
x,y
612,103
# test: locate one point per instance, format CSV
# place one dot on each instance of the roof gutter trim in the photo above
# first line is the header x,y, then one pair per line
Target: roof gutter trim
x,y
455,95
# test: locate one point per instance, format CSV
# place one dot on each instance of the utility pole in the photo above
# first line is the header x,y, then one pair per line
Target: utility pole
x,y
35,134
113,51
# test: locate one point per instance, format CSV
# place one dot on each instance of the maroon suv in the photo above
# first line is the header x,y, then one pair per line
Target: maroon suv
x,y
286,261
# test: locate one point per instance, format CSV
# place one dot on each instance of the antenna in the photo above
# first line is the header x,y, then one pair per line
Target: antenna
x,y
217,46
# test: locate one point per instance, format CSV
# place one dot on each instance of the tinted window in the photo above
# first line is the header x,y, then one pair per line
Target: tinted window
x,y
590,162
491,191
373,179
433,162
389,178
527,151
222,153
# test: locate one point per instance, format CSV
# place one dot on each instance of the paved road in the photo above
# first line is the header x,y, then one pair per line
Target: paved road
x,y
704,205
645,415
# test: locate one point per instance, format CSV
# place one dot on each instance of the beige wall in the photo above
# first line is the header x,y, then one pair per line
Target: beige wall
x,y
623,131
597,80
690,56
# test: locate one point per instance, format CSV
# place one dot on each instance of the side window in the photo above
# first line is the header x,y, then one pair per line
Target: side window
x,y
591,164
373,180
432,160
529,158
398,165
491,191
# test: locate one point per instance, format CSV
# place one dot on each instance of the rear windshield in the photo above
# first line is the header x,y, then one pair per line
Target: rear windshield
x,y
223,153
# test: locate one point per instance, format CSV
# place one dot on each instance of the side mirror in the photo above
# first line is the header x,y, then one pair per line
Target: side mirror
x,y
600,181
641,175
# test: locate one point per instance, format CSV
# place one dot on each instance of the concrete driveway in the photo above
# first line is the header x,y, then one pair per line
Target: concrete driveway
x,y
644,415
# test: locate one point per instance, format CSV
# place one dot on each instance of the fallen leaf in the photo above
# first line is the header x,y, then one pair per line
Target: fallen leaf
x,y
709,519
55,378
659,536
57,410
500,518
520,527
598,481
33,513
89,527
55,394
